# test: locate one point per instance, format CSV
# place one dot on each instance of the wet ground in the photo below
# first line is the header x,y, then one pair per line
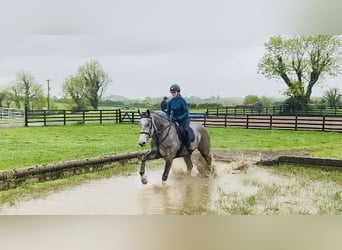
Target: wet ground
x,y
239,187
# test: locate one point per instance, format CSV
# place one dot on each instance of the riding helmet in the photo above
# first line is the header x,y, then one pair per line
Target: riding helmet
x,y
174,87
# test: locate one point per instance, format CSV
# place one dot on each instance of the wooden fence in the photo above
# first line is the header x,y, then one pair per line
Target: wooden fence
x,y
218,119
276,110
64,117
319,123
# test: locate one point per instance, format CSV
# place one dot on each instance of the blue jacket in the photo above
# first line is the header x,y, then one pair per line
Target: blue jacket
x,y
177,109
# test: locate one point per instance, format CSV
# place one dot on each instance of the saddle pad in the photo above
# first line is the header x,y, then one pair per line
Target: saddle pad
x,y
181,134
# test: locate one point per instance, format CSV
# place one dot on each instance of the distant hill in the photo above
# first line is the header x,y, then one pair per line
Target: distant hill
x,y
227,101
116,98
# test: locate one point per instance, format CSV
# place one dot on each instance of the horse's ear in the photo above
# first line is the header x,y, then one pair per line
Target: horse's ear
x,y
148,112
139,112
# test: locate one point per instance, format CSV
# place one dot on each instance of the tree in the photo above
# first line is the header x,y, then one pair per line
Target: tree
x,y
26,90
333,97
87,86
2,97
301,61
250,99
75,89
25,82
15,94
37,97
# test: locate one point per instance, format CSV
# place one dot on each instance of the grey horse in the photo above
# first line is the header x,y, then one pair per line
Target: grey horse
x,y
166,144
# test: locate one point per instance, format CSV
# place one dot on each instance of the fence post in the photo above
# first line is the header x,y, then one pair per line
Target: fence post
x,y
44,115
225,119
64,116
271,121
296,122
26,116
323,123
83,116
247,121
205,119
101,116
116,116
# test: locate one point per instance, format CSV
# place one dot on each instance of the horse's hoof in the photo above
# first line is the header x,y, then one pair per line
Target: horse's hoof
x,y
144,180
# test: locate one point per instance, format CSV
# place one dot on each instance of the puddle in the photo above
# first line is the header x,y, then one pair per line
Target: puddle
x,y
233,188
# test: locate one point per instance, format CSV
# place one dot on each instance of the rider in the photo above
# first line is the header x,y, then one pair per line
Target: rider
x,y
178,111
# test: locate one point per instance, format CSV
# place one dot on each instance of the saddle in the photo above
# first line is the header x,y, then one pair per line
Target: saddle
x,y
181,134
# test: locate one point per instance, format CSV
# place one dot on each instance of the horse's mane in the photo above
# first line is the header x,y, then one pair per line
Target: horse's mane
x,y
159,114
164,119
162,114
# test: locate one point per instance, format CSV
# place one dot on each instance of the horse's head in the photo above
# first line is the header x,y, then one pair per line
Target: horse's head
x,y
146,127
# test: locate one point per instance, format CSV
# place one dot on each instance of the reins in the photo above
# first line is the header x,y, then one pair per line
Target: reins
x,y
156,131
155,127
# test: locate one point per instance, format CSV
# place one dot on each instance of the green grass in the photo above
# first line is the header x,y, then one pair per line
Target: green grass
x,y
320,144
313,173
38,145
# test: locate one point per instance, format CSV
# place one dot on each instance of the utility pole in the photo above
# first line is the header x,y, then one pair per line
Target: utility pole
x,y
48,97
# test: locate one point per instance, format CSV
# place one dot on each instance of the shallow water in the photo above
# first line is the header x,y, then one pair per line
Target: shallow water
x,y
125,195
182,194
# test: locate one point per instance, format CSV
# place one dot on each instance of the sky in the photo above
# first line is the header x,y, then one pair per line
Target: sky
x,y
209,48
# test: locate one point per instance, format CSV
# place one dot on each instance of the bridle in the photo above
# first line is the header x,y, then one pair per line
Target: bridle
x,y
150,128
153,130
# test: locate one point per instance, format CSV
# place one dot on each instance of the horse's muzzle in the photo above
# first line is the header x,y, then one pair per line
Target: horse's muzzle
x,y
142,143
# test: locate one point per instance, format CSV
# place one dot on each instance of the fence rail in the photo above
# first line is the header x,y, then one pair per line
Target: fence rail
x,y
278,110
64,117
318,123
218,119
11,117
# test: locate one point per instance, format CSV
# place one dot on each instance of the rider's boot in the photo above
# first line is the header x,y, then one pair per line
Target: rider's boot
x,y
188,143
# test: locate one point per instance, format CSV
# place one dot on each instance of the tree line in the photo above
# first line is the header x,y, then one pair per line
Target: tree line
x,y
300,62
81,91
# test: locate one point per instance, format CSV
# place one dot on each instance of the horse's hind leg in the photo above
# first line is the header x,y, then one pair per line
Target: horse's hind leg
x,y
188,163
208,158
205,153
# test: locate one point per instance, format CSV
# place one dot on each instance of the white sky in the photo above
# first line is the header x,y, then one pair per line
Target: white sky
x,y
207,47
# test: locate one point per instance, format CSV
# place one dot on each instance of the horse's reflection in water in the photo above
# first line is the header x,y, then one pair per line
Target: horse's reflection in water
x,y
166,144
184,194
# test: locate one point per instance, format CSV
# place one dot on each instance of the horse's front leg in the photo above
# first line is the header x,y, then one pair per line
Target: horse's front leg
x,y
167,167
148,156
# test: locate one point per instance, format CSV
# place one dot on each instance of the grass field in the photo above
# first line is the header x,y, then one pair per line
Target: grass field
x,y
38,145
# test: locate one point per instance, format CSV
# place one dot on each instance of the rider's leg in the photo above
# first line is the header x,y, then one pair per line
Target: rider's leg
x,y
185,124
